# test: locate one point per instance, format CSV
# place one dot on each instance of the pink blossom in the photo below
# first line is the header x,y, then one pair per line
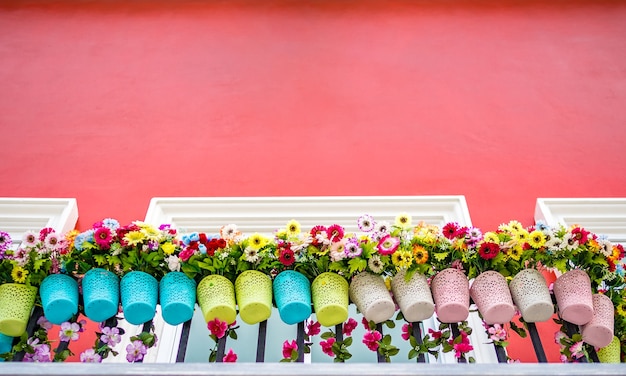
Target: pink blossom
x,y
313,328
135,351
69,331
327,346
434,334
230,357
44,323
90,356
558,336
406,331
462,348
349,326
371,338
289,348
577,350
366,324
497,333
217,327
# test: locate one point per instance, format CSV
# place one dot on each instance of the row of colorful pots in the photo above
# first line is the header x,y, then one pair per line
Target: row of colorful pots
x,y
253,293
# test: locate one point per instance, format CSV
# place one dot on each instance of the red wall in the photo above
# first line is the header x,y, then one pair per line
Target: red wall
x,y
115,102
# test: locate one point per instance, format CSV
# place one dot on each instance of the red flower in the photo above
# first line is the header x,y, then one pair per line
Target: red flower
x,y
327,346
462,348
349,326
450,229
366,324
217,327
580,234
488,250
335,233
230,357
103,237
316,231
371,338
406,331
289,348
434,334
313,328
286,257
44,232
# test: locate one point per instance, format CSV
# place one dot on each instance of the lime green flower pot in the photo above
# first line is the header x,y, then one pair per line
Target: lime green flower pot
x,y
610,353
330,298
16,305
216,297
253,290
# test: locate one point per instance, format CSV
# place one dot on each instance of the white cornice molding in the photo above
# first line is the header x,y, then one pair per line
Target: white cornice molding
x,y
267,214
603,216
18,215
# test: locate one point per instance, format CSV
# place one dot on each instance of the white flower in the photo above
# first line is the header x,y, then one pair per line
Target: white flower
x,y
173,263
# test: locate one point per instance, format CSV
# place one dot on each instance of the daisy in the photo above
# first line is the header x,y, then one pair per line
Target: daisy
x,y
402,259
293,228
286,257
403,220
19,274
353,249
382,227
375,265
536,239
488,250
5,240
103,237
420,254
52,241
29,239
388,245
366,223
251,254
133,237
335,233
257,241
450,230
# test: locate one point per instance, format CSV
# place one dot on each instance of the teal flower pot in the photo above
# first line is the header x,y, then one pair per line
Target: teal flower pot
x,y
140,292
6,343
59,298
177,295
101,294
292,292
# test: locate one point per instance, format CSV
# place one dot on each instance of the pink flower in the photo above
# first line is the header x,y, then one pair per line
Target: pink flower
x,y
230,357
349,326
366,324
558,336
462,348
313,328
90,356
289,348
371,338
335,233
434,334
327,346
44,323
577,350
69,331
406,331
217,327
497,333
135,351
388,244
103,237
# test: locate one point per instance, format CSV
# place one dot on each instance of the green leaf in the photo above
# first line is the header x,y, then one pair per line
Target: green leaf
x,y
232,334
347,341
413,354
357,265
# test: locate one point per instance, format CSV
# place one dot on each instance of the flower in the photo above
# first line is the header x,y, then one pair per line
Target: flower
x,y
313,328
111,336
290,349
230,357
371,338
349,326
135,351
327,346
90,356
217,327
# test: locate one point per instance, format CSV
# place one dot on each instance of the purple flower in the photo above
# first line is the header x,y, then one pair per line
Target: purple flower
x,y
135,351
44,323
41,352
110,336
90,356
69,331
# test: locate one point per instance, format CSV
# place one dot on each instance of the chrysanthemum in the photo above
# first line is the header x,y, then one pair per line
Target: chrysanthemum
x,y
515,226
134,237
353,249
257,241
375,264
286,257
521,236
103,237
536,239
335,233
515,253
293,228
402,259
420,254
5,240
403,220
229,232
152,233
388,245
29,239
251,254
19,274
52,241
366,223
450,230
488,250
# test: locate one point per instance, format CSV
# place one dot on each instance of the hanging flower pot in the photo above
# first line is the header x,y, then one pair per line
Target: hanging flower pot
x,y
59,297
492,296
292,292
531,295
216,297
330,298
6,344
253,290
16,304
610,353
370,295
599,331
450,289
177,295
139,292
413,296
572,291
101,294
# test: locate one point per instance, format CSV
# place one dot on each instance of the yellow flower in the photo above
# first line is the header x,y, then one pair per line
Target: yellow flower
x,y
593,245
536,239
515,226
257,241
388,283
293,228
168,248
420,254
70,236
151,233
516,252
491,237
620,309
402,258
134,237
521,236
19,274
403,220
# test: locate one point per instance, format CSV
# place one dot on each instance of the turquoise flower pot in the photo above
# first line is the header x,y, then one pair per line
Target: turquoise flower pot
x,y
177,295
140,292
101,294
292,292
59,298
6,343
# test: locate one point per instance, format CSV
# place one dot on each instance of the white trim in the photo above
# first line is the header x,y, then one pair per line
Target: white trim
x,y
18,215
603,216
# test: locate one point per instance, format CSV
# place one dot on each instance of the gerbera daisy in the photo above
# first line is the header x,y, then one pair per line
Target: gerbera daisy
x,y
488,250
403,220
29,239
257,241
251,254
133,237
366,223
420,254
293,228
103,237
491,237
388,245
382,227
515,253
152,233
353,249
402,259
536,239
286,257
450,230
52,241
229,232
19,274
335,233
375,265
318,233
515,226
521,236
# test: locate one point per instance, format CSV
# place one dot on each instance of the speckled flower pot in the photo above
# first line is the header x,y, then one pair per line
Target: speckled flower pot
x,y
610,353
253,290
531,295
490,292
599,331
216,297
370,295
572,291
16,304
413,296
450,288
330,298
292,292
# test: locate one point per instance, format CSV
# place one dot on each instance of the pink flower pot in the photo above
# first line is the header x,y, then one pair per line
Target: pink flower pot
x,y
450,289
572,291
491,294
599,331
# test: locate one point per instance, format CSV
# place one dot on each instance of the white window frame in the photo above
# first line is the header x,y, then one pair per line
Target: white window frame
x,y
18,215
266,214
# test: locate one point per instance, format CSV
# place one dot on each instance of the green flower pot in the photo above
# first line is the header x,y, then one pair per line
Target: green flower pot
x,y
330,298
216,297
16,305
253,290
610,353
